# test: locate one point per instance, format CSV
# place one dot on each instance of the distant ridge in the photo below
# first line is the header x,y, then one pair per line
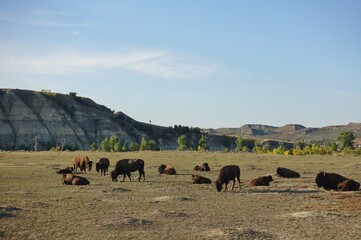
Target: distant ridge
x,y
40,120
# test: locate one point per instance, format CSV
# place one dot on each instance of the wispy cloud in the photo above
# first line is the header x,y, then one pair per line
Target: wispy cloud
x,y
40,17
155,63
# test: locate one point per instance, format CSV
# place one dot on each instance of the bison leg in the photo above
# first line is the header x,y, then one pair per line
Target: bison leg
x,y
140,176
124,177
234,183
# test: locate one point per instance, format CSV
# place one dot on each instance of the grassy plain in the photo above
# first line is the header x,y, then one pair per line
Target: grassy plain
x,y
35,205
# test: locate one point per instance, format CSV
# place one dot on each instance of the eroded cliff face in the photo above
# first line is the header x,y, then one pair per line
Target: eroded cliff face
x,y
32,119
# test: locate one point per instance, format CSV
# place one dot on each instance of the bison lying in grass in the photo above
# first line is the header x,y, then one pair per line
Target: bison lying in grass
x,y
167,169
83,163
261,181
226,174
334,181
126,166
203,167
287,173
196,179
65,170
70,179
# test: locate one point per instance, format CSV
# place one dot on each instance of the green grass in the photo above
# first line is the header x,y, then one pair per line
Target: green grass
x,y
35,205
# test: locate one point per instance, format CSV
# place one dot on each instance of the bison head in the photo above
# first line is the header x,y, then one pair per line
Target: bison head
x,y
97,167
89,165
114,176
218,185
161,168
320,179
269,178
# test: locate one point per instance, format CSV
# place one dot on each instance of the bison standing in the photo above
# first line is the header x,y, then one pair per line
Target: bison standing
x,y
102,166
126,166
83,163
226,174
334,181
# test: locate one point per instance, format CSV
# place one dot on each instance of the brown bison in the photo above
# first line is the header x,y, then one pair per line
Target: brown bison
x,y
65,170
102,166
70,179
334,181
287,173
261,181
226,174
203,167
83,163
348,185
126,166
196,179
167,169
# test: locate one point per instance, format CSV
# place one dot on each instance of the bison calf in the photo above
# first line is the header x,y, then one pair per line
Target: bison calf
x,y
102,166
196,179
70,179
261,181
167,169
226,174
334,181
287,173
203,167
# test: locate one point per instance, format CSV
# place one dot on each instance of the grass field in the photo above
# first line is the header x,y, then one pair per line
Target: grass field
x,y
35,205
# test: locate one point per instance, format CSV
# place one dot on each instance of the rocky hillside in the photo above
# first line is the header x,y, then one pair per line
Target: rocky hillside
x,y
41,120
32,119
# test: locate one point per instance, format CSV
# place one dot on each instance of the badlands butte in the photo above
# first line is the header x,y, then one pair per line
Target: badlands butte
x,y
41,120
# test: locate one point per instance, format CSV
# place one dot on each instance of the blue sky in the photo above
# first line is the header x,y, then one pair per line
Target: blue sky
x,y
205,64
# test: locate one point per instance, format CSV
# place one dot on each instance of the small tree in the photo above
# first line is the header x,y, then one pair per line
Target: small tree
x,y
144,144
203,143
345,139
182,141
94,146
134,147
105,145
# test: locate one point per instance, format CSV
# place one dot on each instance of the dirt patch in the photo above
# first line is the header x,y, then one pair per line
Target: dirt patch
x,y
115,222
120,190
313,214
170,198
168,214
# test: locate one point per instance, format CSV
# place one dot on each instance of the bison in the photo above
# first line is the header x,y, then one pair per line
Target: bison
x,y
196,179
334,181
65,170
167,169
102,166
226,174
203,167
70,179
126,166
83,163
348,185
261,181
287,173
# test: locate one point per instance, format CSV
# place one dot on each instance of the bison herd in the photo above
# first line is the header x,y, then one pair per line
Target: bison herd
x,y
124,167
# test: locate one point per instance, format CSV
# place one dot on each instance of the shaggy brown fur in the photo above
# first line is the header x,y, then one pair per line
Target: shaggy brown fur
x,y
203,167
102,166
70,179
167,169
126,166
65,170
287,173
261,181
226,174
348,185
196,179
83,163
